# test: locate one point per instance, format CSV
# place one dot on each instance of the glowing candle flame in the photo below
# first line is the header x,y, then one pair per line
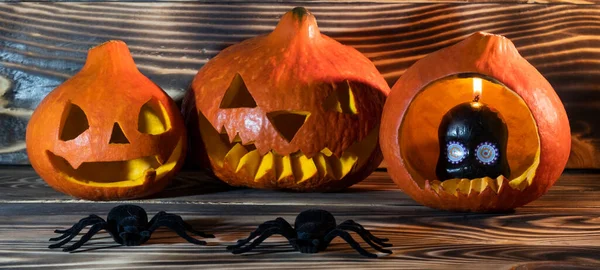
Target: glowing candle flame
x,y
477,88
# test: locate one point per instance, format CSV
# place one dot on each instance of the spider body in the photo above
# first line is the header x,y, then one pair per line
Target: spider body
x,y
313,231
128,225
311,228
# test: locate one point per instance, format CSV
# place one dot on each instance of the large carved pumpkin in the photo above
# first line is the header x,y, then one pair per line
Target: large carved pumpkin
x,y
108,132
538,129
293,109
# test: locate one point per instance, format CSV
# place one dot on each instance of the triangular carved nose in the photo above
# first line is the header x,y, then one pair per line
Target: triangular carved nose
x,y
288,123
117,136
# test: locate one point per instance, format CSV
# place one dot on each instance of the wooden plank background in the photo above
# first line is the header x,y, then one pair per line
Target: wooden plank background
x,y
559,231
42,44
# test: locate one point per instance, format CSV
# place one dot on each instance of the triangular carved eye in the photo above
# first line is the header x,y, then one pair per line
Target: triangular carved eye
x,y
341,100
117,136
237,95
288,123
74,122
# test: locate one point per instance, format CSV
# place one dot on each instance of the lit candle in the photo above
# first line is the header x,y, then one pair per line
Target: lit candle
x,y
472,139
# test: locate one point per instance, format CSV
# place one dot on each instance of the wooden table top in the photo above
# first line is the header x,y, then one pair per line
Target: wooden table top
x,y
559,231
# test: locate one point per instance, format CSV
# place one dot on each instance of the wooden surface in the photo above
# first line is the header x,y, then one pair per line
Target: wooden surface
x,y
559,231
42,44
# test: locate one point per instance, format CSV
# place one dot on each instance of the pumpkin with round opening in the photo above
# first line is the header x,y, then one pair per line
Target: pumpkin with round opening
x,y
108,132
293,109
537,145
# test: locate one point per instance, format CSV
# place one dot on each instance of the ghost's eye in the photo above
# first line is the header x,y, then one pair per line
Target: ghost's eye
x,y
456,152
487,153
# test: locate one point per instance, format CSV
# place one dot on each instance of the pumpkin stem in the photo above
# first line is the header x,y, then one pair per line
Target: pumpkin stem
x,y
296,23
300,12
110,57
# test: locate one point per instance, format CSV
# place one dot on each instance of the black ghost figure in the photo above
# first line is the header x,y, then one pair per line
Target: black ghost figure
x,y
473,141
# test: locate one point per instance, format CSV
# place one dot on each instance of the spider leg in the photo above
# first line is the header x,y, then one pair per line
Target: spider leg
x,y
261,228
176,218
94,230
367,239
175,226
367,232
77,226
156,217
348,238
68,236
266,234
277,223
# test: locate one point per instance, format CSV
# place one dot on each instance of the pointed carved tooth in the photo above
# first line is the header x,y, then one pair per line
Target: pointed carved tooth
x,y
149,175
436,185
500,181
249,163
478,185
237,138
348,163
233,157
451,186
342,166
491,183
223,130
464,186
266,167
326,152
283,167
216,148
303,168
323,166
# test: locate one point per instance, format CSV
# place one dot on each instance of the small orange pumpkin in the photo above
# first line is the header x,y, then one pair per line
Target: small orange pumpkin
x,y
293,109
108,132
539,137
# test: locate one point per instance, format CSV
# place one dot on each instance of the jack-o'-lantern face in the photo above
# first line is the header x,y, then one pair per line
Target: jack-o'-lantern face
x,y
293,123
511,162
108,132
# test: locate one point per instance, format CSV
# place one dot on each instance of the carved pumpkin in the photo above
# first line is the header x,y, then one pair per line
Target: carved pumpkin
x,y
293,109
538,129
108,132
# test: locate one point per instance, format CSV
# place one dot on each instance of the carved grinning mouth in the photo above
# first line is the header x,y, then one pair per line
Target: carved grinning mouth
x,y
246,161
497,185
124,173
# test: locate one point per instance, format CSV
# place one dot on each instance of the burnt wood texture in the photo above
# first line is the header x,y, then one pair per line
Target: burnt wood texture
x,y
44,43
561,230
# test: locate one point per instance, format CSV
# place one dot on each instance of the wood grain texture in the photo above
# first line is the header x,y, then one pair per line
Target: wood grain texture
x,y
550,2
561,230
42,44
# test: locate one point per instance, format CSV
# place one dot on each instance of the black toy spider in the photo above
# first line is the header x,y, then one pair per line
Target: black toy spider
x,y
314,230
128,225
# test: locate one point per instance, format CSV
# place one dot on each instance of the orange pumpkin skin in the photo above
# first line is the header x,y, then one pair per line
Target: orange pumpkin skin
x,y
495,57
109,89
293,68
